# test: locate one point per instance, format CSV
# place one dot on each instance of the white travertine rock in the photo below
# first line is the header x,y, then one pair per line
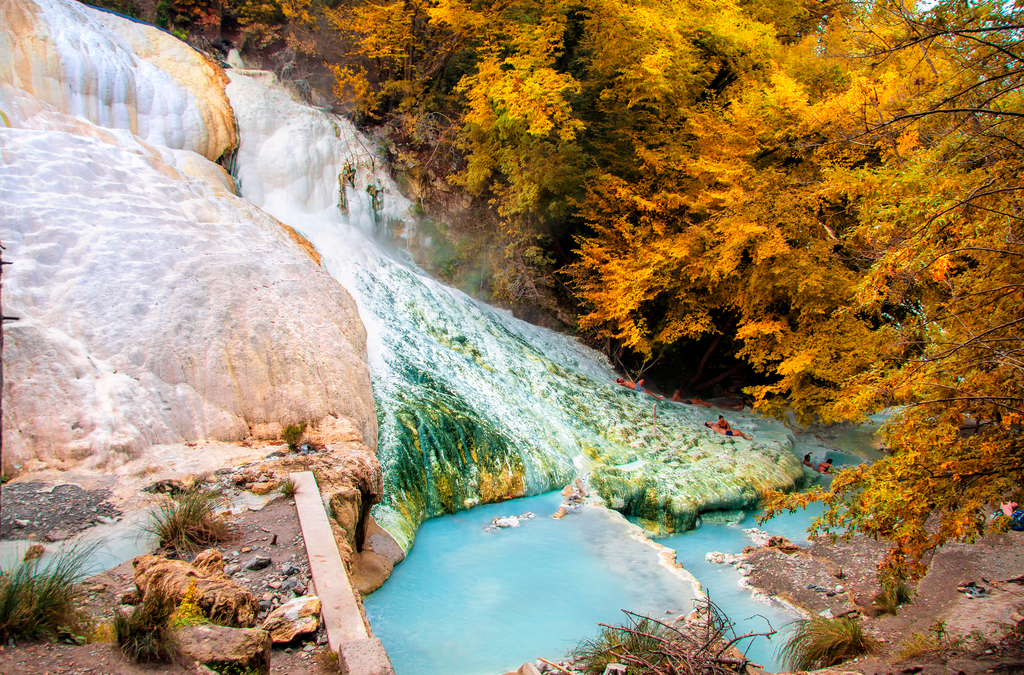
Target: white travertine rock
x,y
116,73
155,306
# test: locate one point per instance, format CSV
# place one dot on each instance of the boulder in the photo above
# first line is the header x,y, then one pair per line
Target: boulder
x,y
382,543
220,598
528,669
220,647
783,545
264,487
369,571
210,564
300,616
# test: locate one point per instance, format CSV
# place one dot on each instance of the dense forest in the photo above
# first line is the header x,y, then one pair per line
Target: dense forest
x,y
822,195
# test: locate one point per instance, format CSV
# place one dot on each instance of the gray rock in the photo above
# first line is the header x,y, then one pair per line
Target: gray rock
x,y
528,669
289,569
219,647
258,562
301,616
231,569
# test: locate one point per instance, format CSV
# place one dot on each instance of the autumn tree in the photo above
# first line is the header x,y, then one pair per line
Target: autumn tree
x,y
939,220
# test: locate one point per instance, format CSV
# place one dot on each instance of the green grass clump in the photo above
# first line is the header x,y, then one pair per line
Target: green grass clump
x,y
38,601
893,596
288,487
144,635
292,435
188,521
820,643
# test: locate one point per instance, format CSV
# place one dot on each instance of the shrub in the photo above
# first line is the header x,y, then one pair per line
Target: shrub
x,y
820,643
188,522
893,596
144,635
939,639
189,613
288,487
292,435
39,601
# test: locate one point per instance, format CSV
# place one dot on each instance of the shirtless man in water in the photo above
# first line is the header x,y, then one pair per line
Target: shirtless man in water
x,y
722,427
638,387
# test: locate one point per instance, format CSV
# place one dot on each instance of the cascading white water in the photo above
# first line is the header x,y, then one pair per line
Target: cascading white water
x,y
474,405
233,330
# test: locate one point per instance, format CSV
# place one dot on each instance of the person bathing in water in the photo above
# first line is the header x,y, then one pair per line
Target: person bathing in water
x,y
638,387
826,466
678,398
807,461
722,427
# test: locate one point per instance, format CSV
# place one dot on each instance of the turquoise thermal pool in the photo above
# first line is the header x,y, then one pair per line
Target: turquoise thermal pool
x,y
721,582
469,602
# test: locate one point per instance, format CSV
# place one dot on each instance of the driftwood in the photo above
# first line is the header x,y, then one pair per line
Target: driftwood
x,y
705,647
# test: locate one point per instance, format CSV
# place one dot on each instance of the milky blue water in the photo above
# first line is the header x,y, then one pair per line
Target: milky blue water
x,y
469,602
721,582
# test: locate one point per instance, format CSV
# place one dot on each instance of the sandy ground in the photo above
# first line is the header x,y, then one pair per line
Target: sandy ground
x,y
273,532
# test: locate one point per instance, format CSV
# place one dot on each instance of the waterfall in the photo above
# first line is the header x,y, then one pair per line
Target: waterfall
x,y
189,313
474,405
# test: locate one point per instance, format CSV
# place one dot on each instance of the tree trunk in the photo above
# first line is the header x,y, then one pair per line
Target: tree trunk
x,y
716,380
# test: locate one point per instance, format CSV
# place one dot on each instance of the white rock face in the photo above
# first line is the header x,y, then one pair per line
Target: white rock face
x,y
116,73
155,306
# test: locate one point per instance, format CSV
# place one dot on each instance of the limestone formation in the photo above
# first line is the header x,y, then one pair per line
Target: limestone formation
x,y
223,326
220,598
222,648
137,78
300,616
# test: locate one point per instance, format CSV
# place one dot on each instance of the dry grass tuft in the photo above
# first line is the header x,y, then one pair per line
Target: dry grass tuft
x,y
188,521
820,643
892,597
144,635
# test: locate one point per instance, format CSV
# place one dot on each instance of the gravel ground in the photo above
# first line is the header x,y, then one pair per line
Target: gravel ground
x,y
980,622
30,510
272,533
